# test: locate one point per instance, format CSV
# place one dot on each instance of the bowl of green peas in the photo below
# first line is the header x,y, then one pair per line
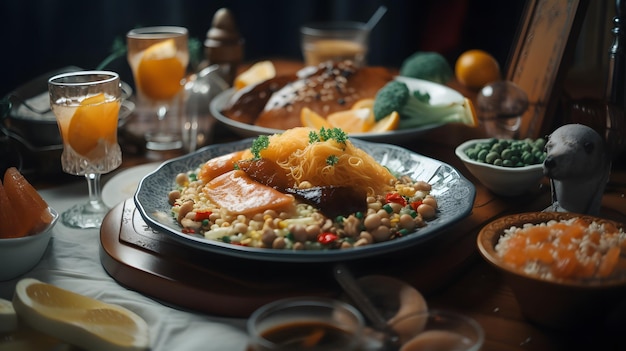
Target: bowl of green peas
x,y
508,167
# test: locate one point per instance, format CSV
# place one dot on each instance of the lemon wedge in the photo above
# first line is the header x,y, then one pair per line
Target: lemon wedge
x,y
257,73
470,113
387,124
8,317
78,319
352,121
312,119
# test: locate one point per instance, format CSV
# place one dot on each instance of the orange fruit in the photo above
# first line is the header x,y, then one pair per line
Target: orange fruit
x,y
78,319
387,123
312,119
257,73
352,121
476,68
160,73
30,209
94,121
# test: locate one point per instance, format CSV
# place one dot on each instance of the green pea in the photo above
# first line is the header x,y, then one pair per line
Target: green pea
x,y
482,155
492,156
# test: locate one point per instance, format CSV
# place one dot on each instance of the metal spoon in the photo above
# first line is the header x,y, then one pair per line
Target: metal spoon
x,y
347,282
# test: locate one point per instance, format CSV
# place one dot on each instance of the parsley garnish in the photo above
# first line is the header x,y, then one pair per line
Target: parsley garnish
x,y
259,144
326,134
332,160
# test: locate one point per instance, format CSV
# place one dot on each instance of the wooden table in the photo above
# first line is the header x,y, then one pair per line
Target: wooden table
x,y
475,288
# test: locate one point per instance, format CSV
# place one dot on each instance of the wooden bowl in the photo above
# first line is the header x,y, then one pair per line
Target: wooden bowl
x,y
565,305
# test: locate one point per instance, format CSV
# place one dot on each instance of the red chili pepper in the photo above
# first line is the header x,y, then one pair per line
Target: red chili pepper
x,y
326,238
188,230
202,215
395,197
416,204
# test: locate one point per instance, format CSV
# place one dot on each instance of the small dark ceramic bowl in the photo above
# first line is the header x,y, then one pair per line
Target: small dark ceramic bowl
x,y
564,305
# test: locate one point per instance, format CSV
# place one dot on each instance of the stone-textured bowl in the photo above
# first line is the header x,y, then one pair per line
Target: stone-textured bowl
x,y
506,181
20,255
564,305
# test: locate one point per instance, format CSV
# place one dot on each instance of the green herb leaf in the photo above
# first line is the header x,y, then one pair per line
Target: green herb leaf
x,y
259,144
332,160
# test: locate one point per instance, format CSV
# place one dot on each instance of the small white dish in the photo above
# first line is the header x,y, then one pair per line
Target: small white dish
x,y
123,185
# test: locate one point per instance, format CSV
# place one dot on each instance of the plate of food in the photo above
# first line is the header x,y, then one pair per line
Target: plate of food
x,y
276,104
304,195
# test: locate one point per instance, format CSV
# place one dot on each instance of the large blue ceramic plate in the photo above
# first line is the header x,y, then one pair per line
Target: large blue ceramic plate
x,y
439,95
454,193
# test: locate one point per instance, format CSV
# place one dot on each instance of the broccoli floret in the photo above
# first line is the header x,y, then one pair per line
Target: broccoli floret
x,y
415,108
428,66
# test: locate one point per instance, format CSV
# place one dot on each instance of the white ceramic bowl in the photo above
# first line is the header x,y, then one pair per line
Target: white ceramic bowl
x,y
506,181
20,255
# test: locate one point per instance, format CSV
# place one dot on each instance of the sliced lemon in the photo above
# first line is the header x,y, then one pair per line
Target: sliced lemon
x,y
387,123
257,73
78,319
352,121
312,119
363,103
470,113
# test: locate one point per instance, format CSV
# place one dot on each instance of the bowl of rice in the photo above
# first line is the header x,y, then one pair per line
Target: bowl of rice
x,y
566,270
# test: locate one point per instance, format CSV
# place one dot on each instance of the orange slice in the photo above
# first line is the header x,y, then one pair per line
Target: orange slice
x,y
311,119
160,73
387,124
77,319
363,103
257,73
94,121
352,121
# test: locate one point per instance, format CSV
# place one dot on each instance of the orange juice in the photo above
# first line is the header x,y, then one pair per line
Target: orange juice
x,y
324,50
89,132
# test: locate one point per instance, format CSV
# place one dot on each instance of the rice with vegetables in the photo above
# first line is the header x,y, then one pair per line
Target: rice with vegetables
x,y
303,189
566,249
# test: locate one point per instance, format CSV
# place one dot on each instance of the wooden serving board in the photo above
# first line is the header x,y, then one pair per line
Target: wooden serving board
x,y
150,262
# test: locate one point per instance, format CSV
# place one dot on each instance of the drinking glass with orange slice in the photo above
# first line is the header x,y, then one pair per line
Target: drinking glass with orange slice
x,y
86,105
158,57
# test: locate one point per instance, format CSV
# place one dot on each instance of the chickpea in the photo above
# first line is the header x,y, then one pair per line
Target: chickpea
x,y
298,246
173,196
182,179
407,222
279,243
299,232
423,186
312,230
366,236
372,221
430,200
268,236
381,233
185,208
345,245
426,211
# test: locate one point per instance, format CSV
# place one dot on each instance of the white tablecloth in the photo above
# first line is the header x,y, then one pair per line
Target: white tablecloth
x,y
72,262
